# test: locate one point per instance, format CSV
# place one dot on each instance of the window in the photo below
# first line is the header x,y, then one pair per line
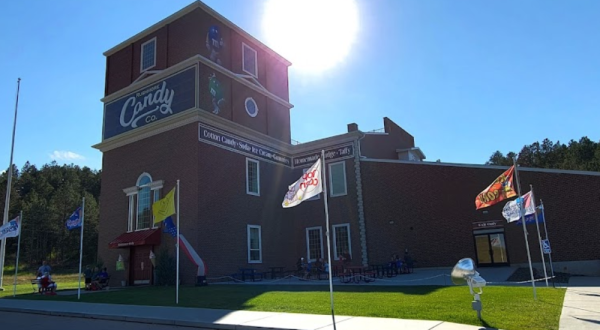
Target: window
x,y
249,60
337,179
341,240
141,197
144,211
148,58
251,107
252,177
254,244
314,244
315,197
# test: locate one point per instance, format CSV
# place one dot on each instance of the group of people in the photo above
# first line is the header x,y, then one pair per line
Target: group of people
x,y
316,268
94,279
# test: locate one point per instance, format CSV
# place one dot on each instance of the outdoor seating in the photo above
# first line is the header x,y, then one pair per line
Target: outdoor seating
x,y
248,274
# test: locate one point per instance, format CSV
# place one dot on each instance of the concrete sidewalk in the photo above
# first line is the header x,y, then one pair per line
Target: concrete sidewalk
x,y
214,319
581,307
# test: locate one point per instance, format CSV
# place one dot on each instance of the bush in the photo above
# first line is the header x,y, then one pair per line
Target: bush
x,y
165,268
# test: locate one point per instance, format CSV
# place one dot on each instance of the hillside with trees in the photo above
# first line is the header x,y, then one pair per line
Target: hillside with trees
x,y
582,155
48,196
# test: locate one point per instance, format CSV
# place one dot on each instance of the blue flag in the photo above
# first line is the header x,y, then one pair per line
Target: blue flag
x,y
530,218
74,220
170,227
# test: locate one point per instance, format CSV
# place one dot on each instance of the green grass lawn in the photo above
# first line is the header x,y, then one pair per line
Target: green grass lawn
x,y
503,307
24,287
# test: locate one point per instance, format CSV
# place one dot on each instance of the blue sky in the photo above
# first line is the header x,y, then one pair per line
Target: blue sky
x,y
465,78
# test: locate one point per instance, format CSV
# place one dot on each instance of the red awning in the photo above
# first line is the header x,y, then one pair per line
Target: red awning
x,y
143,237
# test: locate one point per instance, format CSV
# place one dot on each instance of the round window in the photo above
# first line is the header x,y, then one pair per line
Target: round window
x,y
251,107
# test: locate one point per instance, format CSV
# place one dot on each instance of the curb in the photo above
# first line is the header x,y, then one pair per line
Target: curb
x,y
145,320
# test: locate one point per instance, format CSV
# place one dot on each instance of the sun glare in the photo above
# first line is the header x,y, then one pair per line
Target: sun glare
x,y
314,35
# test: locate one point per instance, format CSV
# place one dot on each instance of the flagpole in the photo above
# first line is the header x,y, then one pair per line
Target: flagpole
x,y
8,188
324,180
539,235
81,247
177,280
524,228
18,251
546,230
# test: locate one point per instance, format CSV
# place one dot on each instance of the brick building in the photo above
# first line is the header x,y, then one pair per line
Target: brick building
x,y
195,98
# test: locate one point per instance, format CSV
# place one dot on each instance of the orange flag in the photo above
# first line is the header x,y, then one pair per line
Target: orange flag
x,y
499,190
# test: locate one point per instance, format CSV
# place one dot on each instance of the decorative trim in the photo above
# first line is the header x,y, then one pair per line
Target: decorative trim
x,y
255,107
493,167
189,62
362,227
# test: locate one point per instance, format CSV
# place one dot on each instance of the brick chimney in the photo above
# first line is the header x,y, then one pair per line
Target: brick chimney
x,y
352,127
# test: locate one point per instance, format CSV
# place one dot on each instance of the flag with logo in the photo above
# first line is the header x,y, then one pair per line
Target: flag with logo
x,y
165,207
10,229
307,186
512,210
530,218
74,220
501,189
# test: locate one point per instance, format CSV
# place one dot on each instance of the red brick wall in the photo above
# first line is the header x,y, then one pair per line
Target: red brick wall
x,y
168,156
432,208
118,70
383,146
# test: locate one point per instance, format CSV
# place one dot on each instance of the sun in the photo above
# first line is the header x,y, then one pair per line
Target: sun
x,y
315,35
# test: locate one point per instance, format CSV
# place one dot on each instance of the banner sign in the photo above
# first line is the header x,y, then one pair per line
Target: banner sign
x,y
232,142
338,152
488,224
151,103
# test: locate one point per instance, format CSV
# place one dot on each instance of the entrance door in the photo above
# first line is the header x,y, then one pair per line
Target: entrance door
x,y
491,249
141,267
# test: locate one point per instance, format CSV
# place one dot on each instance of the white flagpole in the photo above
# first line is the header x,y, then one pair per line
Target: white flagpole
x,y
522,210
539,235
324,180
81,247
8,188
18,251
177,280
546,230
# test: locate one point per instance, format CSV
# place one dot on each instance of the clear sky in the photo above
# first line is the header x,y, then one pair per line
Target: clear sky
x,y
464,77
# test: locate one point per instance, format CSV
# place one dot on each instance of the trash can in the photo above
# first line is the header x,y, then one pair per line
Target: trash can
x,y
201,281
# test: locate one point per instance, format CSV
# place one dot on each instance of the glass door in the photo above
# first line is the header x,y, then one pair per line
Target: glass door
x,y
491,249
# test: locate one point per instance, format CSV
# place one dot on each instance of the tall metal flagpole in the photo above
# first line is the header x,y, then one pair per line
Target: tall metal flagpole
x,y
324,180
522,210
18,251
546,230
539,236
178,242
8,188
81,247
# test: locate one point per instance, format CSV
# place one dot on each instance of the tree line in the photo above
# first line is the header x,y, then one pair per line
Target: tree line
x,y
582,155
48,196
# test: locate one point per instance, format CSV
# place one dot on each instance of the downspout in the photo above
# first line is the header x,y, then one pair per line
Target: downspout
x,y
359,198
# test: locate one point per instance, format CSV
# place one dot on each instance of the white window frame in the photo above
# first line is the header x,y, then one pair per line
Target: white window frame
x,y
255,107
345,192
320,229
248,230
257,193
335,242
142,69
132,195
244,46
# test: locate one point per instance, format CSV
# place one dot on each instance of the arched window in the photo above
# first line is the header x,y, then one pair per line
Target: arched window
x,y
141,197
144,203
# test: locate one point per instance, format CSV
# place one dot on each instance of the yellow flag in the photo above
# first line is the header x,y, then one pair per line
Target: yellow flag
x,y
164,207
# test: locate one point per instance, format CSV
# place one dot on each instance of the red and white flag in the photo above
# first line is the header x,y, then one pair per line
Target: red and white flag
x,y
307,186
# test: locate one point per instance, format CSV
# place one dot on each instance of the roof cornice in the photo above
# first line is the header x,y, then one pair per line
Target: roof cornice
x,y
186,10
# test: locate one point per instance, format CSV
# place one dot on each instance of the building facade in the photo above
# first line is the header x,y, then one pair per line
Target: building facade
x,y
195,99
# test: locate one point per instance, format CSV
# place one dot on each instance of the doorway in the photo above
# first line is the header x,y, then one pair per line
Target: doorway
x,y
141,267
490,246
